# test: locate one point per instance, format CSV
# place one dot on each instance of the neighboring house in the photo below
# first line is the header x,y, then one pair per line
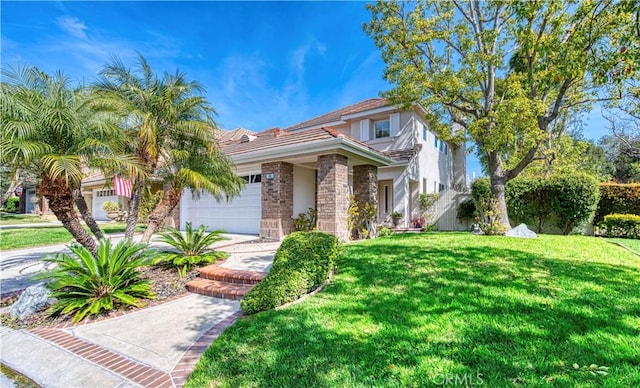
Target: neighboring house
x,y
370,149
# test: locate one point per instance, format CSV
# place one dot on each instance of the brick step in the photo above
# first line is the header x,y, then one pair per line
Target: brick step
x,y
218,289
214,272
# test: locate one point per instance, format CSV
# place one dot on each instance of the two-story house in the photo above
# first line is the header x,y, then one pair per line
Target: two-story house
x,y
371,149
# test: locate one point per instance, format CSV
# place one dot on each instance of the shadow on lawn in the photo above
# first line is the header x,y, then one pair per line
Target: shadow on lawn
x,y
404,315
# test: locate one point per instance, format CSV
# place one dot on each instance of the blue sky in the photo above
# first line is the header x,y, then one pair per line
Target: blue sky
x,y
263,64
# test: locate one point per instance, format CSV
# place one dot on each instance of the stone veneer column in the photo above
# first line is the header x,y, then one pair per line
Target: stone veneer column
x,y
333,195
365,187
277,200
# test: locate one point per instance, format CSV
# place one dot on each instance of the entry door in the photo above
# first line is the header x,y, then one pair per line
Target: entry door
x,y
385,199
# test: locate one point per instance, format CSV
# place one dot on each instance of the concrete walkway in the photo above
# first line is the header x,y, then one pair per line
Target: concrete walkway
x,y
155,347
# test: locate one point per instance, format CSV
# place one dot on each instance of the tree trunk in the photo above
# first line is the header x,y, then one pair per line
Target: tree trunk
x,y
13,185
134,208
498,191
86,214
60,198
498,178
169,201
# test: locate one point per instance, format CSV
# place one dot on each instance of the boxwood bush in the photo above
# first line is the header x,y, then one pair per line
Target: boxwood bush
x,y
618,198
621,225
301,264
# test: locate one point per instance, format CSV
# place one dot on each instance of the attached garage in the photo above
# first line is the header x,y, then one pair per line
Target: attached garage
x,y
100,197
240,215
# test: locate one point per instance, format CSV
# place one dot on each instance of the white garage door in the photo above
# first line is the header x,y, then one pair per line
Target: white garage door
x,y
100,197
241,215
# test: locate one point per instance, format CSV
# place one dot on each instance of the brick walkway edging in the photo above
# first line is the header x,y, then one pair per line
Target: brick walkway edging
x,y
132,370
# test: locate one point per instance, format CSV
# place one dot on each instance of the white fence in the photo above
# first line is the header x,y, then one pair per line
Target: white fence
x,y
446,207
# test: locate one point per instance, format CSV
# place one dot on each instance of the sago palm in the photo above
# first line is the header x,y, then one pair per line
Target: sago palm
x,y
51,131
84,283
194,247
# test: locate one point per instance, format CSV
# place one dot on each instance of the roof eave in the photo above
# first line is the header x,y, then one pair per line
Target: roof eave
x,y
316,147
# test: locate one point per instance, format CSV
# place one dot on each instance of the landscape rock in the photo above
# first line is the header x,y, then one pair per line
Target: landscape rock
x,y
32,300
521,231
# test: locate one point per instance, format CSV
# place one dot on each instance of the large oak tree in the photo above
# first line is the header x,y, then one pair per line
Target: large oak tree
x,y
503,71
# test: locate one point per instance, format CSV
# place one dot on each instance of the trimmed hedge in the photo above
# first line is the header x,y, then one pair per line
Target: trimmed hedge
x,y
618,198
574,199
302,263
622,225
564,200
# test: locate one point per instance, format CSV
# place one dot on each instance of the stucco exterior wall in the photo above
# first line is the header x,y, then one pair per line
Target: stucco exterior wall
x,y
304,190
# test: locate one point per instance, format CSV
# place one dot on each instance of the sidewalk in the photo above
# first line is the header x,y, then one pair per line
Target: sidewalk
x,y
156,347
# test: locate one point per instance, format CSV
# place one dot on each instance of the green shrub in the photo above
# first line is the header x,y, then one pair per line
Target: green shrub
x,y
306,222
566,200
302,263
12,204
622,225
88,284
148,202
110,206
193,248
574,199
384,232
618,198
466,212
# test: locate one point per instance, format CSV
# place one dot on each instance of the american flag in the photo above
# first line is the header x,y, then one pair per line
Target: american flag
x,y
121,186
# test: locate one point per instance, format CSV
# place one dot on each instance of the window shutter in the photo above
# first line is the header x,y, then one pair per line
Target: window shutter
x,y
394,124
364,129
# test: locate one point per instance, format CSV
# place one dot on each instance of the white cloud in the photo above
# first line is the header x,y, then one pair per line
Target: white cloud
x,y
73,26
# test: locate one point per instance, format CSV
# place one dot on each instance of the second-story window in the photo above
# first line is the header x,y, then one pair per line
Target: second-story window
x,y
381,128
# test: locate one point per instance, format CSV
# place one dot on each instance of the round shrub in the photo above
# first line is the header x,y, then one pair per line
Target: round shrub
x,y
574,199
302,263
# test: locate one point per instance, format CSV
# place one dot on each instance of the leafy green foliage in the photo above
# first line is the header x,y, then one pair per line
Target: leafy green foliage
x,y
384,231
566,200
618,198
148,202
111,206
360,219
621,225
11,205
466,212
84,283
507,74
306,222
193,248
302,263
574,199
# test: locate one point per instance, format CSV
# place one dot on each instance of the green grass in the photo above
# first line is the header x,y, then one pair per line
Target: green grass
x,y
416,310
632,244
13,219
34,237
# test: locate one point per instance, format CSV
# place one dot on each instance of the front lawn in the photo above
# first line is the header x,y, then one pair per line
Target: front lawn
x,y
13,219
33,237
431,309
632,244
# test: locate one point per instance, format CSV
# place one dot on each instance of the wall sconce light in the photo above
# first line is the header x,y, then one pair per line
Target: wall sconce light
x,y
269,176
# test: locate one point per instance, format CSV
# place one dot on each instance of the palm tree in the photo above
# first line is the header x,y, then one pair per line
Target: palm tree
x,y
163,117
49,130
199,166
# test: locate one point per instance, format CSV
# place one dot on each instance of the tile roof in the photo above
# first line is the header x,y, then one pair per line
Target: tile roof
x,y
336,115
225,136
274,138
402,155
